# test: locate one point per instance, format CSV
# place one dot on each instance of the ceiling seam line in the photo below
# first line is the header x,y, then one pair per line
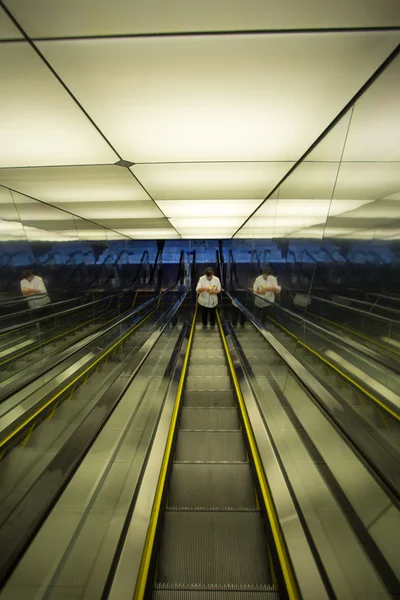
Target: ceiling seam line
x,y
151,197
58,78
221,33
72,96
375,75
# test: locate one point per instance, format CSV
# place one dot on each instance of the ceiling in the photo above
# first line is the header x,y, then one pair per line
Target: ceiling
x,y
176,119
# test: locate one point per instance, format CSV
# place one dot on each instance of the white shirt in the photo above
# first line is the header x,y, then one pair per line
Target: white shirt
x,y
36,283
206,299
260,283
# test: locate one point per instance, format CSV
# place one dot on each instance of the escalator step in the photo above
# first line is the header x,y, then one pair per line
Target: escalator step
x,y
222,593
205,446
217,548
226,485
210,370
209,352
209,418
210,384
204,360
208,398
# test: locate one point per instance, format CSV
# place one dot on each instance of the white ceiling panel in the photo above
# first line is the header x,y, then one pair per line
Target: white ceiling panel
x,y
151,234
75,184
8,30
375,125
100,17
314,208
242,98
208,208
211,180
368,180
114,210
381,209
206,224
332,146
310,180
39,123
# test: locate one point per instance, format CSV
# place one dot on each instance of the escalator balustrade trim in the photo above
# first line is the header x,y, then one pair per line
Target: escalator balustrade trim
x,y
382,405
287,570
141,583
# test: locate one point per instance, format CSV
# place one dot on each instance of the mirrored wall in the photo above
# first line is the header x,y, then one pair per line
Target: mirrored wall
x,y
331,231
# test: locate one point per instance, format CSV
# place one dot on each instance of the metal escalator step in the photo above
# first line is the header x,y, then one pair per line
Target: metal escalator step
x,y
209,352
209,418
220,593
208,446
206,360
210,370
207,398
209,384
217,548
216,485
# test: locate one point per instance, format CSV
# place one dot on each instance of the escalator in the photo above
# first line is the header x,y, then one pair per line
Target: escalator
x,y
23,345
218,475
213,533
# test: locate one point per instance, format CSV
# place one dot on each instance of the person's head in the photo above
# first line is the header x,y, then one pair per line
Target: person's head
x,y
27,275
209,273
267,272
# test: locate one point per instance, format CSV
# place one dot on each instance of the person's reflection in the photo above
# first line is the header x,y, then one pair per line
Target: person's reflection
x,y
265,287
31,286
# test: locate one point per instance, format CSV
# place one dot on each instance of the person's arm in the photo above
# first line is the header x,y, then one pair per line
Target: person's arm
x,y
42,288
199,288
26,290
217,287
255,286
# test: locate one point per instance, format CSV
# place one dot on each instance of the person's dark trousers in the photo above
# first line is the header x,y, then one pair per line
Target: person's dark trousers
x,y
237,314
205,313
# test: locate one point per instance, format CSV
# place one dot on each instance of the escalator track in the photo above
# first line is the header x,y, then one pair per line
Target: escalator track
x,y
219,534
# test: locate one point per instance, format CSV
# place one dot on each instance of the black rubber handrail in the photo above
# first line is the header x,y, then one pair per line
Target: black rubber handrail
x,y
33,373
59,314
24,522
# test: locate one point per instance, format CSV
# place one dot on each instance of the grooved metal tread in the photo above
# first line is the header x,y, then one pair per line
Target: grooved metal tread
x,y
206,398
180,592
206,446
209,418
211,485
220,548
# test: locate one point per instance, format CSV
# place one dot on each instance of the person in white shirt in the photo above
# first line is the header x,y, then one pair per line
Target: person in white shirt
x,y
31,286
208,289
265,287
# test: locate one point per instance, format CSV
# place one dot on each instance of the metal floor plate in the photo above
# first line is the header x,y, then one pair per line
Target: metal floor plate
x,y
209,418
226,485
210,446
213,548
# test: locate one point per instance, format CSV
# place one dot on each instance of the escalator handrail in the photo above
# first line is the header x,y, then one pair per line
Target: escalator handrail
x,y
377,356
59,314
391,407
317,390
58,358
356,310
140,267
372,305
19,529
35,308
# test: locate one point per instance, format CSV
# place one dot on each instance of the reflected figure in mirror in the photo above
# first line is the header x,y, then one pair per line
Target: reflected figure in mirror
x,y
33,287
265,287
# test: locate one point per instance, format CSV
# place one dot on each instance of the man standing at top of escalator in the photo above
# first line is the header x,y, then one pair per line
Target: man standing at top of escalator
x,y
208,289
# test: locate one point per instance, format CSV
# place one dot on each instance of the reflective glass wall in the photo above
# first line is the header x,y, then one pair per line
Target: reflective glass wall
x,y
331,230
